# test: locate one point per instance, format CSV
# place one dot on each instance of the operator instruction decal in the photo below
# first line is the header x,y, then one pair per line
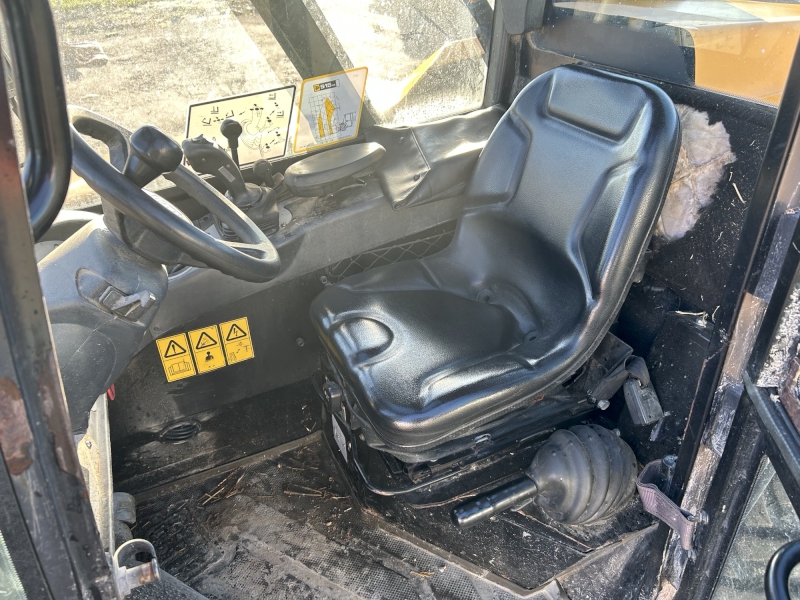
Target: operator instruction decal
x,y
330,109
174,353
238,345
206,349
264,116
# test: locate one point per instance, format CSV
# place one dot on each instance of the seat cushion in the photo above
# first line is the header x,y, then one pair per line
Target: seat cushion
x,y
420,359
558,214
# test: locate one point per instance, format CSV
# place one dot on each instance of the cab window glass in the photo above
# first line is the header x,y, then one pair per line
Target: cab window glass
x,y
139,61
10,585
426,59
741,48
768,522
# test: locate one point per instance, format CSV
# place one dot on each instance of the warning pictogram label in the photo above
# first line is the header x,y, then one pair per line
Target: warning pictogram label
x,y
205,341
235,333
206,348
330,109
175,357
174,349
236,337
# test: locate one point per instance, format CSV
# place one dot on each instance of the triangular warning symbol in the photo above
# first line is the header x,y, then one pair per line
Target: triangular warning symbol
x,y
174,349
205,341
235,333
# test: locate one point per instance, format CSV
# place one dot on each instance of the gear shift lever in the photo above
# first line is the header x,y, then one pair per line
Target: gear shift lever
x,y
206,158
258,202
231,129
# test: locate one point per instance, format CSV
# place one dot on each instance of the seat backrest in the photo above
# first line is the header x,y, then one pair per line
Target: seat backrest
x,y
581,162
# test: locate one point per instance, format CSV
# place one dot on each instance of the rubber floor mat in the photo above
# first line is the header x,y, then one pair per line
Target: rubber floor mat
x,y
285,527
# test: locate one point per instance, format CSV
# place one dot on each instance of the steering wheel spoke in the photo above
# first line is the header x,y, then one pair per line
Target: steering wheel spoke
x,y
114,136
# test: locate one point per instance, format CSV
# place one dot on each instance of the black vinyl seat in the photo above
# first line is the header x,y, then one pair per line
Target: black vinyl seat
x,y
558,214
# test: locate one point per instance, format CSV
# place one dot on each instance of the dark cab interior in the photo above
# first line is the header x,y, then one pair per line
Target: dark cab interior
x,y
449,348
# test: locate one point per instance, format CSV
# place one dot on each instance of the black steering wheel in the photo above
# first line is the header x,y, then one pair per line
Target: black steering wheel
x,y
253,259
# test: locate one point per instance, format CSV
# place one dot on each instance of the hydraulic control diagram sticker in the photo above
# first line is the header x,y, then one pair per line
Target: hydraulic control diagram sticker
x,y
207,349
264,116
330,109
175,356
236,337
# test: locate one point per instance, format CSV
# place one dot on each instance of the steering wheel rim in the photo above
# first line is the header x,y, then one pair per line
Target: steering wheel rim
x,y
253,259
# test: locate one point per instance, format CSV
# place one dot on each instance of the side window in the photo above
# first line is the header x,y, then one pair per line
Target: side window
x,y
768,522
10,585
739,48
140,62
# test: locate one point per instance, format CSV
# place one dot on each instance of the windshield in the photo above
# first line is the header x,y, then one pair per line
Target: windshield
x,y
142,61
138,61
168,62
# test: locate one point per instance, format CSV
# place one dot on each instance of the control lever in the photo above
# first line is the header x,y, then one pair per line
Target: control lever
x,y
258,202
208,159
232,129
262,171
152,153
579,475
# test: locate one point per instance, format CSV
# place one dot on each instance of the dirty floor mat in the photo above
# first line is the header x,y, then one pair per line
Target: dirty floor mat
x,y
285,527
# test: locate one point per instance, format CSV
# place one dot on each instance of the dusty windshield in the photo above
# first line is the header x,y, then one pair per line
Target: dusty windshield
x,y
138,61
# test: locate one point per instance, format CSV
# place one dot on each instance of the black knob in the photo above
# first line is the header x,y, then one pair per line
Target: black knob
x,y
152,153
262,171
231,129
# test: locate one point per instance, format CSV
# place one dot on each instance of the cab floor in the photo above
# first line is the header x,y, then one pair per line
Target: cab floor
x,y
283,525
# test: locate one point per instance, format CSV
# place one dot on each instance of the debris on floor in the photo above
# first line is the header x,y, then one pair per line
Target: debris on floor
x,y
266,530
285,526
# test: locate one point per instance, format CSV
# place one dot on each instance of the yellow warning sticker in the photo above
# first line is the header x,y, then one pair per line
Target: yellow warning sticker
x,y
175,356
207,349
236,337
212,347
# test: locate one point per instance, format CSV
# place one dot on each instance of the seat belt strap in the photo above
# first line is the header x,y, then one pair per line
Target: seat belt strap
x,y
660,506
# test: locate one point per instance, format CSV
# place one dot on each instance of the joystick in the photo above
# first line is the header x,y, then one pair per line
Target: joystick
x,y
231,129
262,171
260,203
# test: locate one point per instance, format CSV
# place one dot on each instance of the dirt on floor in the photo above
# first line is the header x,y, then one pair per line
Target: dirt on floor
x,y
286,527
